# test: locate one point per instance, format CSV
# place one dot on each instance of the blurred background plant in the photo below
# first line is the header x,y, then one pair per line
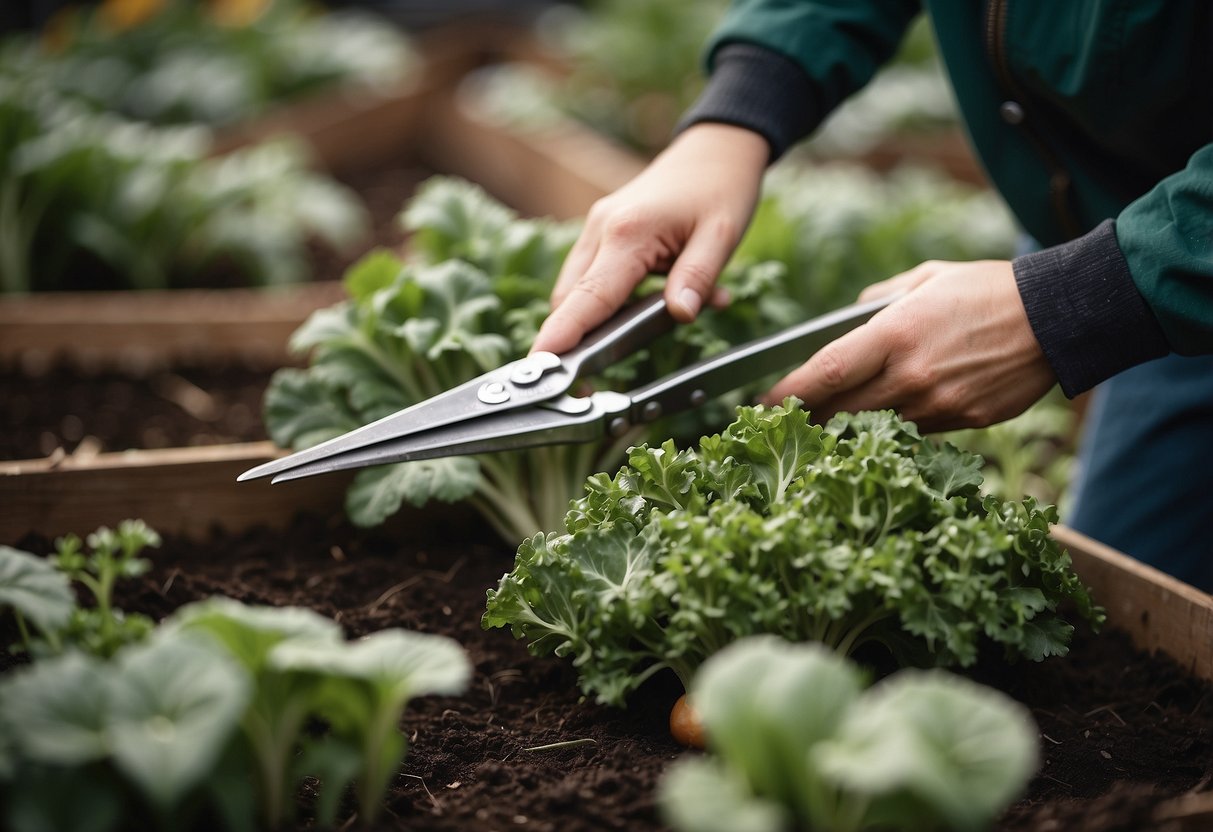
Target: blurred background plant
x,y
106,174
633,68
217,62
92,200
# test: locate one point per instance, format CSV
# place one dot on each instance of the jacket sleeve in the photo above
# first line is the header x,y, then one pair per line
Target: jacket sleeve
x,y
1132,290
779,67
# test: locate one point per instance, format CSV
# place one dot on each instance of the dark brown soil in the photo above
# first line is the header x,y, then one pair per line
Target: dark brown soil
x,y
113,412
1124,735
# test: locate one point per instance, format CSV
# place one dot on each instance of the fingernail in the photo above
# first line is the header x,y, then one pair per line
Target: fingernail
x,y
689,300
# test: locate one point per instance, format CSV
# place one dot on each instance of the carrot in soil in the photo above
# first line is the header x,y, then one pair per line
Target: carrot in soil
x,y
685,724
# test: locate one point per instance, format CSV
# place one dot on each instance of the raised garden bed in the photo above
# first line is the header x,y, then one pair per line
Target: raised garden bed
x,y
1127,738
367,139
1127,735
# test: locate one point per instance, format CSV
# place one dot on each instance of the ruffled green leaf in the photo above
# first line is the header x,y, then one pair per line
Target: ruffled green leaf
x,y
379,492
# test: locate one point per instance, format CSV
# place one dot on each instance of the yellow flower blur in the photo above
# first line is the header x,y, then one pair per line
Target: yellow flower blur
x,y
120,15
236,13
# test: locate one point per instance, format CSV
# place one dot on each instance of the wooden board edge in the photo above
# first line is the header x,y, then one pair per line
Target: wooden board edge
x,y
1159,612
137,330
556,171
187,491
191,492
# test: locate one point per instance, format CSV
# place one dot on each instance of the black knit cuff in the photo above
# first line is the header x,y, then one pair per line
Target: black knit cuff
x,y
760,90
1085,310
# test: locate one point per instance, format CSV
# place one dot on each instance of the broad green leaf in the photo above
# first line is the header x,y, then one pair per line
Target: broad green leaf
x,y
539,600
250,633
174,704
698,795
301,410
335,323
450,219
930,747
37,590
362,688
57,711
378,492
764,702
375,271
397,663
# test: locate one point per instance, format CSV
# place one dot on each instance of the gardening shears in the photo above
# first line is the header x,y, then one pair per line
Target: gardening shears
x,y
526,403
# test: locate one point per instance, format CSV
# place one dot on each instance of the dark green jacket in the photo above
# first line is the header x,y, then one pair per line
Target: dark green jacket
x,y
1094,118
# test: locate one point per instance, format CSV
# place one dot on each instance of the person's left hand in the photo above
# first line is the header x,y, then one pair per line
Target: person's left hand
x,y
956,351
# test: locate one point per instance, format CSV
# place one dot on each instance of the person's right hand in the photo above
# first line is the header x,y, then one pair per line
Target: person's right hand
x,y
683,215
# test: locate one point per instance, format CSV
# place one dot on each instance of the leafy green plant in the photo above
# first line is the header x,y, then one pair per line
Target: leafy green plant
x,y
186,63
219,714
838,228
132,737
146,206
39,590
470,298
634,68
1032,454
861,532
301,669
800,745
38,594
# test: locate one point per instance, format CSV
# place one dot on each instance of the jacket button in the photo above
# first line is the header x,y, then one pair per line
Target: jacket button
x,y
1011,112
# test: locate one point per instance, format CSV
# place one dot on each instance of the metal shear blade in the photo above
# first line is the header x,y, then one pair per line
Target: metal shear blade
x,y
523,404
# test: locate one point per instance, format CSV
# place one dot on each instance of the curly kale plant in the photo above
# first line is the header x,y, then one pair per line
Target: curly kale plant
x,y
862,531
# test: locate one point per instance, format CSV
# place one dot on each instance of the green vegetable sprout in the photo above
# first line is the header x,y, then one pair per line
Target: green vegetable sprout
x,y
219,714
39,591
799,744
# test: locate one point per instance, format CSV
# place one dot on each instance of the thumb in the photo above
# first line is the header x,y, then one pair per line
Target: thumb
x,y
694,273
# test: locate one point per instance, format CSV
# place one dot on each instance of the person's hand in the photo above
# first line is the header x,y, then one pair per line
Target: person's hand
x,y
956,351
684,214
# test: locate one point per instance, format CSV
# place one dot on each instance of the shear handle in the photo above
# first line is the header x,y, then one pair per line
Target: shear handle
x,y
694,385
619,337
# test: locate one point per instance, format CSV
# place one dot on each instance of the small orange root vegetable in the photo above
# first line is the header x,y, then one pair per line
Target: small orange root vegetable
x,y
685,724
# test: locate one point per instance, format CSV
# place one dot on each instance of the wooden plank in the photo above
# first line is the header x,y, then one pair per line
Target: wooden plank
x,y
1156,610
142,329
179,490
348,131
557,171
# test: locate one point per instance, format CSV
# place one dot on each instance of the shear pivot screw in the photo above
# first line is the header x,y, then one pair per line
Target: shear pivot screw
x,y
531,369
493,392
